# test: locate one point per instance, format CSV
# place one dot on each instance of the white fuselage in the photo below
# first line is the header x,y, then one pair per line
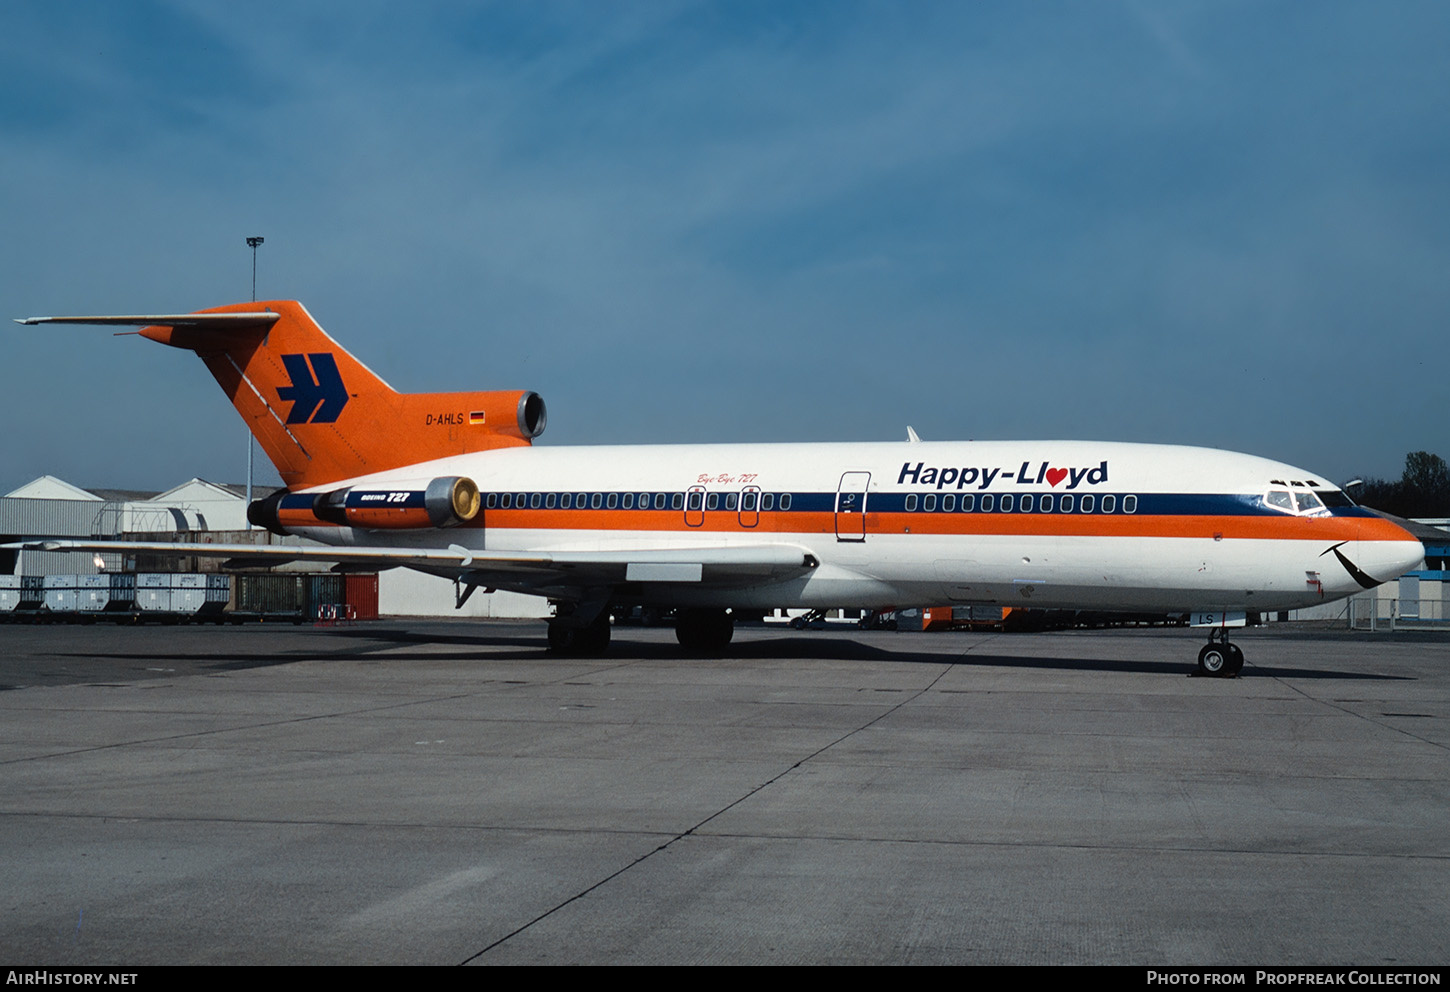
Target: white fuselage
x,y
1111,526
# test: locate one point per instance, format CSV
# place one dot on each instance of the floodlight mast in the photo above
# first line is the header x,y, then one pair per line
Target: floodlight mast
x,y
252,243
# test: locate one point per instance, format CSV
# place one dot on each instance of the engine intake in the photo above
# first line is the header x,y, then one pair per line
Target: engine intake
x,y
452,501
533,417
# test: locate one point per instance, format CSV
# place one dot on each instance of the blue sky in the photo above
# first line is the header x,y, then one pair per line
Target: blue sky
x,y
1212,223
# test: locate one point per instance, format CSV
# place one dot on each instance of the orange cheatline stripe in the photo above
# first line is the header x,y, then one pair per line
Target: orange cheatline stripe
x,y
932,524
965,524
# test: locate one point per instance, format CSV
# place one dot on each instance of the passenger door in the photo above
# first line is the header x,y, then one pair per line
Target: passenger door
x,y
851,506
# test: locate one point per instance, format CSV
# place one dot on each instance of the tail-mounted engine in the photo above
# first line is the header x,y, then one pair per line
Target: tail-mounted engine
x,y
519,415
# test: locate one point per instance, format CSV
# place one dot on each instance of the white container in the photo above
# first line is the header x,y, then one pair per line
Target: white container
x,y
61,600
153,600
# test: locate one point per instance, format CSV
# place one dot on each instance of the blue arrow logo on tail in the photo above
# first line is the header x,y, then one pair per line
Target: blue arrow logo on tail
x,y
316,398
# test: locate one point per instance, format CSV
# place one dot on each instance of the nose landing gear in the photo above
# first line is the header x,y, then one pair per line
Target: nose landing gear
x,y
1219,658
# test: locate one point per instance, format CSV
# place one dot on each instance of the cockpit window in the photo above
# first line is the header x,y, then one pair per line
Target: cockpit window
x,y
1278,499
1303,501
1307,501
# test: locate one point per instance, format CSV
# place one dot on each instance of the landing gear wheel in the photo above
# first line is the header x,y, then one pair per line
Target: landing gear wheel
x,y
561,638
1213,659
570,640
704,630
1235,660
594,639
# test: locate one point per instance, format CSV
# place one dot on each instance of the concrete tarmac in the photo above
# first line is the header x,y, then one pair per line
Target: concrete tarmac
x,y
426,792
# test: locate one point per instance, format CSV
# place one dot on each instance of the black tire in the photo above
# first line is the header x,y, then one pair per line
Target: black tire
x,y
593,639
1213,660
561,638
567,639
704,630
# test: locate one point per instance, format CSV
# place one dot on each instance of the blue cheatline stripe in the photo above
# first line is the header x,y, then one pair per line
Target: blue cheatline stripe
x,y
1148,504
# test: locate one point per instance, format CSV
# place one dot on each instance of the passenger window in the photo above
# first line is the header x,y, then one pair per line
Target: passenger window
x,y
767,502
1087,503
1065,504
929,502
582,500
987,502
536,500
1026,504
611,501
596,501
1110,503
677,500
712,501
948,502
629,501
910,501
565,501
1044,504
969,503
747,502
492,501
731,500
695,500
660,500
1130,504
785,501
1007,502
506,501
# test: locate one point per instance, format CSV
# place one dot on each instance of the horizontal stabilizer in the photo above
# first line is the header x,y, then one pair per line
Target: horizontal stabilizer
x,y
203,321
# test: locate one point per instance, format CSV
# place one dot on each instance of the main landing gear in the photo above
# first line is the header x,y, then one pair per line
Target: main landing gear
x,y
704,630
568,637
1219,658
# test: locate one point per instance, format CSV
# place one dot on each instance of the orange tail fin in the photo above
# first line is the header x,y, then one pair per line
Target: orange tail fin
x,y
322,416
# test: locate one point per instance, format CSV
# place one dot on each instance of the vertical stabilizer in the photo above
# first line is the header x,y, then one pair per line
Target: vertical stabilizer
x,y
321,415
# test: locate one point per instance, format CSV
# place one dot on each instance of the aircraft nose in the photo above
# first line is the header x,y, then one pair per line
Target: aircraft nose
x,y
1386,550
1406,555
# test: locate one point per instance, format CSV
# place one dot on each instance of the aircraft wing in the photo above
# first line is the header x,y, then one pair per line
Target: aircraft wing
x,y
724,564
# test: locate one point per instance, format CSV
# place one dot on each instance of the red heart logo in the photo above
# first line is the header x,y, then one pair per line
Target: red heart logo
x,y
1056,475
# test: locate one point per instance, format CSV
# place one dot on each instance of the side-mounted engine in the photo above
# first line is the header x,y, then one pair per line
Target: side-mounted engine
x,y
448,501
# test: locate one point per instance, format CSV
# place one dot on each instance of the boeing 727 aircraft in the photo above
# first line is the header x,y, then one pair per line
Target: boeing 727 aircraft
x,y
450,484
